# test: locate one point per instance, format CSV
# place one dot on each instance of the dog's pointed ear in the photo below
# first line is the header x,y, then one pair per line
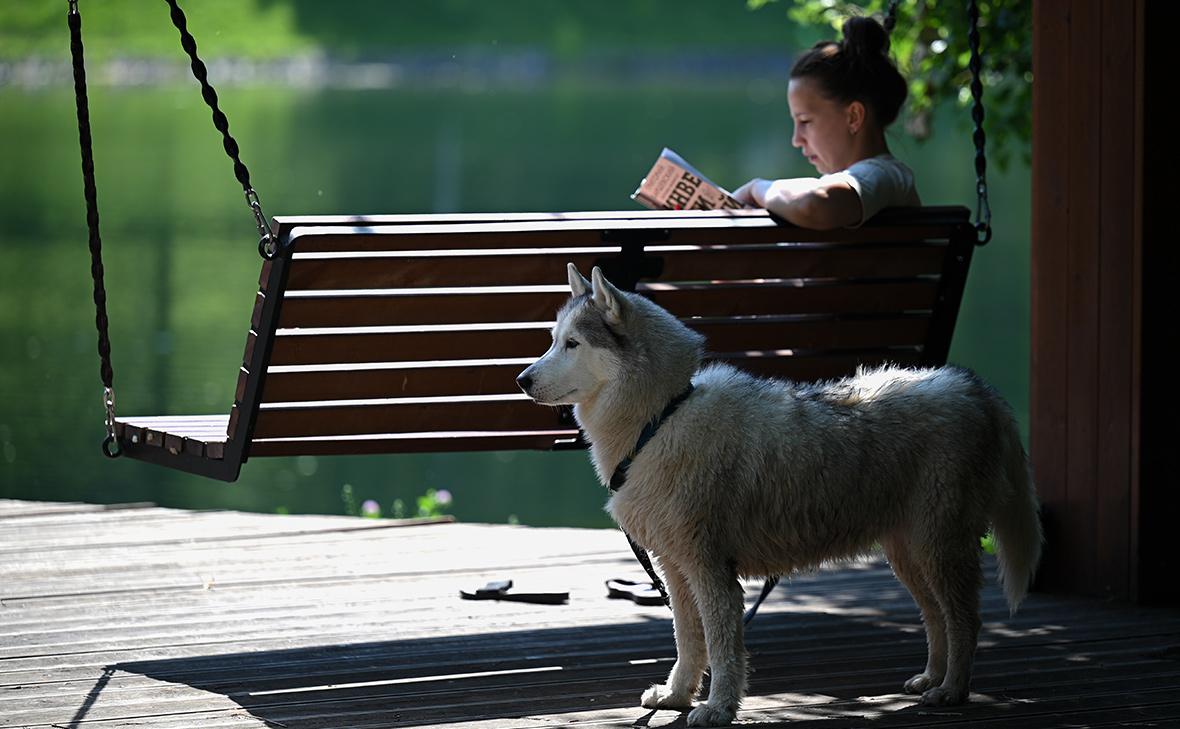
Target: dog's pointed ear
x,y
606,297
578,283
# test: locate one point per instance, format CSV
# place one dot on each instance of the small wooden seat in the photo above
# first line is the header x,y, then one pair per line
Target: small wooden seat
x,y
405,333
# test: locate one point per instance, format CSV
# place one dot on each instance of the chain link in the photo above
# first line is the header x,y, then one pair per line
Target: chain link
x,y
267,246
891,16
101,322
983,211
108,403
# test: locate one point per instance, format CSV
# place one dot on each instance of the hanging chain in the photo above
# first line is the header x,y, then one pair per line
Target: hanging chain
x,y
983,211
267,246
110,445
891,16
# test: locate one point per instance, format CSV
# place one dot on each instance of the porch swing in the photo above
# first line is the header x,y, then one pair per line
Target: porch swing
x,y
404,333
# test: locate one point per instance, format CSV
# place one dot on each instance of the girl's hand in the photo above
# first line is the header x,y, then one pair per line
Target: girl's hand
x,y
753,192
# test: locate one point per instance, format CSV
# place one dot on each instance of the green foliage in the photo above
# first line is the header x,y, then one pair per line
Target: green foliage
x,y
349,499
930,46
988,543
433,503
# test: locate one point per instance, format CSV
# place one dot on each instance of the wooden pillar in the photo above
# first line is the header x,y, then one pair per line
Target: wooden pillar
x,y
1087,239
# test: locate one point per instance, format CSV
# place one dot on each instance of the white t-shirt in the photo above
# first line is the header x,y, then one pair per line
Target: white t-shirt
x,y
880,182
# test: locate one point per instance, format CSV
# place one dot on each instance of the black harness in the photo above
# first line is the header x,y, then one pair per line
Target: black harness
x,y
619,478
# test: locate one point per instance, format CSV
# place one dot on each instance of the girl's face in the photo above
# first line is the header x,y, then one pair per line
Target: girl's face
x,y
825,130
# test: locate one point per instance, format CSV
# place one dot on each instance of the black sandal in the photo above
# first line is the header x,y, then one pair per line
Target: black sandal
x,y
499,591
640,593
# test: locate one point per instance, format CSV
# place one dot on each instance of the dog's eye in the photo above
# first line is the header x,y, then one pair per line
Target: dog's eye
x,y
571,344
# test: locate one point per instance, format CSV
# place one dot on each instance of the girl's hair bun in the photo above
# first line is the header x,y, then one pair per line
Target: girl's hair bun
x,y
865,38
858,68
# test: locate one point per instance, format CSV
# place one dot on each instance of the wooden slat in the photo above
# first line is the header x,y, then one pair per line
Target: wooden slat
x,y
513,266
418,270
1083,262
393,380
444,442
515,413
291,348
821,333
737,335
384,380
1051,240
1117,323
440,232
799,261
423,306
811,368
793,297
506,304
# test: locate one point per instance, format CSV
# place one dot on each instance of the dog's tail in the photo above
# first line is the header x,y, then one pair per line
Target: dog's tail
x,y
1016,524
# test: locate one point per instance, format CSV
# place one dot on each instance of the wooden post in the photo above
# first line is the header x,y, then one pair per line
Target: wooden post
x,y
1088,294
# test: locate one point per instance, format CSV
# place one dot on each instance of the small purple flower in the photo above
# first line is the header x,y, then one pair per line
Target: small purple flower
x,y
371,509
442,497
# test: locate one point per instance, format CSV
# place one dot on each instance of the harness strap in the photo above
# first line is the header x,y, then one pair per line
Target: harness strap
x,y
619,478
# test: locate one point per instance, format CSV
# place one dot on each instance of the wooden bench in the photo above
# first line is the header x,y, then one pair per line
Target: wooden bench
x,y
405,333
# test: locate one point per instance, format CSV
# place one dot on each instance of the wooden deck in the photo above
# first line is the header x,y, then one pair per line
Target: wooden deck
x,y
149,617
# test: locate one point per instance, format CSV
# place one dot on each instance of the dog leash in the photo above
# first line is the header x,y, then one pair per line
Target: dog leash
x,y
619,478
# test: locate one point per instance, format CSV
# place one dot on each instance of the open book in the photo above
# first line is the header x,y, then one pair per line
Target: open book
x,y
673,184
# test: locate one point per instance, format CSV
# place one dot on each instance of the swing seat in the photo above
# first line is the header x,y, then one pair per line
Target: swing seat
x,y
395,334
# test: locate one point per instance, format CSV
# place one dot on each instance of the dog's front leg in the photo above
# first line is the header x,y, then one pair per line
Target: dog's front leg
x,y
719,598
685,679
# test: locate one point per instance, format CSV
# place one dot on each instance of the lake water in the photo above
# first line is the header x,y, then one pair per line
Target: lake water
x,y
181,266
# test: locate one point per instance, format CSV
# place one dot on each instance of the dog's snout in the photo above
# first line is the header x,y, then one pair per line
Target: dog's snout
x,y
525,380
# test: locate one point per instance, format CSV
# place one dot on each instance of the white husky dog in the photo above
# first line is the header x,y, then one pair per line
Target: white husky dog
x,y
758,477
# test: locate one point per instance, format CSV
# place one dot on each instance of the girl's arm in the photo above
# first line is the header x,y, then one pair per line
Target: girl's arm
x,y
807,202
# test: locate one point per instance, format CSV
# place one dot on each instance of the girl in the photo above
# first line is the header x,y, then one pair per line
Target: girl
x,y
842,97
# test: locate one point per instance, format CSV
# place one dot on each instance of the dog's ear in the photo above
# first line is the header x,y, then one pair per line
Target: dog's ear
x,y
578,283
606,297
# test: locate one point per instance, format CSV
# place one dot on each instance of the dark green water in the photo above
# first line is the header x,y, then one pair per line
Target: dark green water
x,y
181,265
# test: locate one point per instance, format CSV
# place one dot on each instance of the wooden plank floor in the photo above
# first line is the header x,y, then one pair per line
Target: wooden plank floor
x,y
149,617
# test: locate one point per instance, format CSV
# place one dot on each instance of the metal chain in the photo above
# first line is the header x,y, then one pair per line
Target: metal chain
x,y
110,445
891,16
267,246
983,212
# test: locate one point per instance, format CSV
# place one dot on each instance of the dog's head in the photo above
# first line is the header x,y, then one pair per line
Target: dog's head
x,y
587,344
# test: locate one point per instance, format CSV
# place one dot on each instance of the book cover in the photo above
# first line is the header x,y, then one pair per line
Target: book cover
x,y
674,184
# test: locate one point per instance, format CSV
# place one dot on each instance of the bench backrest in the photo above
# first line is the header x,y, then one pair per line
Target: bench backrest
x,y
406,333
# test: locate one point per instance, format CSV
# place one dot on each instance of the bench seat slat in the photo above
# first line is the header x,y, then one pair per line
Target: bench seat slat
x,y
413,443
296,420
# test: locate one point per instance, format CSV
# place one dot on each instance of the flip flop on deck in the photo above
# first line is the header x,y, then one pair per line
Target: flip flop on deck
x,y
499,590
640,593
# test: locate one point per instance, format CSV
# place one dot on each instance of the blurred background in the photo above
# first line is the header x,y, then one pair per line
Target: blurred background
x,y
369,107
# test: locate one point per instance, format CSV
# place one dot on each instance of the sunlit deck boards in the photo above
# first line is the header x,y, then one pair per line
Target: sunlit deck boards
x,y
153,617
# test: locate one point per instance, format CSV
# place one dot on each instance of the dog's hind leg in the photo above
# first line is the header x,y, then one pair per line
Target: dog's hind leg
x,y
908,571
685,679
956,578
719,597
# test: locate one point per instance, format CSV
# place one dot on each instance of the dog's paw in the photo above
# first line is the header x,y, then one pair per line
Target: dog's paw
x,y
660,696
921,683
943,696
710,715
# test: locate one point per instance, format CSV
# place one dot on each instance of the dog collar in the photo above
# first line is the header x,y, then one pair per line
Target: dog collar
x,y
619,477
